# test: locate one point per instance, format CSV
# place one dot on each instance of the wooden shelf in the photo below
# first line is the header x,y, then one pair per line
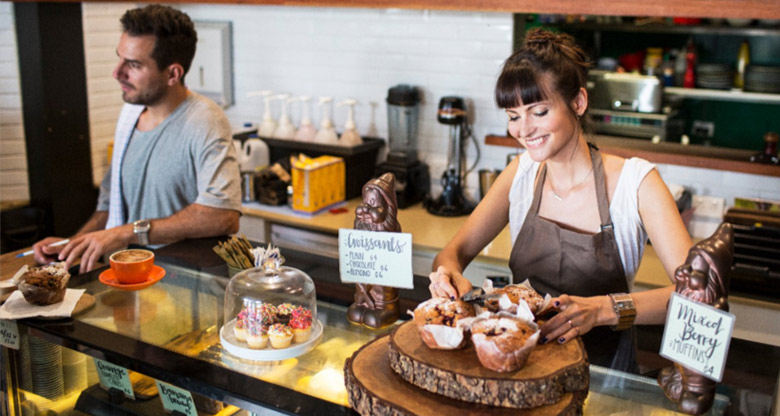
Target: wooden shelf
x,y
670,153
724,95
748,9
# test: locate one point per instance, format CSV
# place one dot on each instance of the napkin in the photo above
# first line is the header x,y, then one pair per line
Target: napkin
x,y
18,308
14,280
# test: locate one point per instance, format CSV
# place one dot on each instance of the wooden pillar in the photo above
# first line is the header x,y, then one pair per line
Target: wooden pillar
x,y
56,124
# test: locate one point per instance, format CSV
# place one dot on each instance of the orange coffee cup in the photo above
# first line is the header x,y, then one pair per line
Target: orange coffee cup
x,y
132,266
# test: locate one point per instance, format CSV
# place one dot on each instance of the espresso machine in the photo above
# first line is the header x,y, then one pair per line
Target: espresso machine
x,y
452,202
412,180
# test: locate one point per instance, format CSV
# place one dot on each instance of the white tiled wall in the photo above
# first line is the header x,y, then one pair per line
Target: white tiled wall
x,y
360,53
13,159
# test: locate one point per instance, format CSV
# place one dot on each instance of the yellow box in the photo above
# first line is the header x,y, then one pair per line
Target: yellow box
x,y
317,182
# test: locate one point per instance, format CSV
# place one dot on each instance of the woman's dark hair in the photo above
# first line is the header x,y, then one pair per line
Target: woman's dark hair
x,y
544,55
174,32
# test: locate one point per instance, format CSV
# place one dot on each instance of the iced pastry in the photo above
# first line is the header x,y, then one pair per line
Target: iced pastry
x,y
503,343
300,322
240,328
257,337
44,285
283,312
280,336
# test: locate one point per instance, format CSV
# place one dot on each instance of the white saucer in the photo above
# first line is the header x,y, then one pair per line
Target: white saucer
x,y
241,349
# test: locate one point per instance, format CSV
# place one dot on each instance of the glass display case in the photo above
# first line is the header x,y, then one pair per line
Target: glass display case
x,y
170,332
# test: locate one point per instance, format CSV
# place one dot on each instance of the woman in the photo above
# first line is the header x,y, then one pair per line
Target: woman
x,y
579,219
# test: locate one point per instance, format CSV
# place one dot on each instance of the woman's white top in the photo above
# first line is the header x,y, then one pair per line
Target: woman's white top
x,y
624,208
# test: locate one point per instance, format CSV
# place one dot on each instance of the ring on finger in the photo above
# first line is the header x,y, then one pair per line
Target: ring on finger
x,y
571,325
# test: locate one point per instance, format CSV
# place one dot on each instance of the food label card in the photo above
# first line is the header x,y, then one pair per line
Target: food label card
x,y
9,334
176,399
114,376
376,257
697,336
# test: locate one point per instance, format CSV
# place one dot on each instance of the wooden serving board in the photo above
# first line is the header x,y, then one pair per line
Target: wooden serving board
x,y
373,388
552,371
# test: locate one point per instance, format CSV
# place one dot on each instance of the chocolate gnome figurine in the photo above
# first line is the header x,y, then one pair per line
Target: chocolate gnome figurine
x,y
376,306
704,277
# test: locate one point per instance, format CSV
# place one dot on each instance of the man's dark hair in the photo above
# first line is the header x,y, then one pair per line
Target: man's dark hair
x,y
174,31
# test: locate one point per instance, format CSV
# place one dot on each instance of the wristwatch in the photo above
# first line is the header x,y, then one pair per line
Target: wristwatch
x,y
141,230
623,305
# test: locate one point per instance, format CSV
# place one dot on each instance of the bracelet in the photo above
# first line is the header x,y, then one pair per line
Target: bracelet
x,y
623,305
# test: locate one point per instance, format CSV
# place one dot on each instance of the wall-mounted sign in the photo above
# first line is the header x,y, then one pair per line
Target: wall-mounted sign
x,y
114,376
376,258
697,336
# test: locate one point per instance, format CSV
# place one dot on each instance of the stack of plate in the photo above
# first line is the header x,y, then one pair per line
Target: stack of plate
x,y
714,76
46,368
762,79
25,374
74,371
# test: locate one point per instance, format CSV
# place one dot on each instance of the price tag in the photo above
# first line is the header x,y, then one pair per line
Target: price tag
x,y
176,399
114,376
376,257
697,336
9,334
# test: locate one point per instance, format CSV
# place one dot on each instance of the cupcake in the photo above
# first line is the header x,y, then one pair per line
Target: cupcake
x,y
283,312
300,322
280,335
267,311
240,328
257,337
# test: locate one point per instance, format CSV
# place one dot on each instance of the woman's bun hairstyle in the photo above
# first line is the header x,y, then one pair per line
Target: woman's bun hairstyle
x,y
546,60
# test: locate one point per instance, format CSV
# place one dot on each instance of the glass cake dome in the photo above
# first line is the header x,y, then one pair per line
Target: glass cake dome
x,y
270,310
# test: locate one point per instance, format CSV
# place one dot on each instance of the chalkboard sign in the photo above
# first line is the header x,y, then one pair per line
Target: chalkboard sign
x,y
697,336
114,376
376,257
176,399
9,334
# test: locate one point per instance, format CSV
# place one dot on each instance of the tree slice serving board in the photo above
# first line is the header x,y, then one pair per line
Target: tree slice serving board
x,y
552,371
373,388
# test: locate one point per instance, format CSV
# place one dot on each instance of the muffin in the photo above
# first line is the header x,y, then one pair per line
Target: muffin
x,y
300,322
44,285
503,343
257,337
283,312
433,318
240,328
515,293
280,336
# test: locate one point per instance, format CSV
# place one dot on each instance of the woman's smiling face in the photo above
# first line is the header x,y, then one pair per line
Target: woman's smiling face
x,y
544,127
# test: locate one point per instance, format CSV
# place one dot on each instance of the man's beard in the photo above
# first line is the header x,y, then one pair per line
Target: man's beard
x,y
368,225
150,96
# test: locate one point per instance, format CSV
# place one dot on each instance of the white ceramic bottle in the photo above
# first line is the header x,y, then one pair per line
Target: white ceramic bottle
x,y
350,135
268,124
327,133
306,130
285,128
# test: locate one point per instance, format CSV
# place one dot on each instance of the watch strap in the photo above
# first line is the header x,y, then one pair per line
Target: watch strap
x,y
623,305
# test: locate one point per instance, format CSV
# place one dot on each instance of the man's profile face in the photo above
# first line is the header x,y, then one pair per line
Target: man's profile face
x,y
140,79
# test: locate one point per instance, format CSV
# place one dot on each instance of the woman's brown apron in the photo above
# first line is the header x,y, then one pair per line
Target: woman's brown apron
x,y
558,261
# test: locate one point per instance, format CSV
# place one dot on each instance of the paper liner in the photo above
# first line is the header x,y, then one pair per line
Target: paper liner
x,y
506,305
489,353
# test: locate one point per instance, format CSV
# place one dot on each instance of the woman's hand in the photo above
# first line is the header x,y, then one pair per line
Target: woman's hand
x,y
445,284
576,316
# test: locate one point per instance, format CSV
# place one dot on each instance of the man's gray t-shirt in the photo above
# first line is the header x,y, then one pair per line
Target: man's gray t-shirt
x,y
188,158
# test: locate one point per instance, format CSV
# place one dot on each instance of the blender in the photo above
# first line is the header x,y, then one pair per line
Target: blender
x,y
452,202
412,178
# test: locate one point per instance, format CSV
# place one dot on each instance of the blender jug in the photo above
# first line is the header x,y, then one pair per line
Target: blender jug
x,y
402,114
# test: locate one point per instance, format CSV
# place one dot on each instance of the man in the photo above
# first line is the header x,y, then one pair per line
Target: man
x,y
174,173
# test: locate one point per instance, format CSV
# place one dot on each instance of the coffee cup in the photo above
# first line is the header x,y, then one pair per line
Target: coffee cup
x,y
132,266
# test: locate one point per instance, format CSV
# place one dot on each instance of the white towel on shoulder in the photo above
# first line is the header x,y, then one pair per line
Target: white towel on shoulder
x,y
128,118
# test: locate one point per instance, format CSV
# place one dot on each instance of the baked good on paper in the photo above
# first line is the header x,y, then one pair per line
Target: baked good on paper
x,y
515,293
503,343
240,329
44,285
442,312
283,312
300,322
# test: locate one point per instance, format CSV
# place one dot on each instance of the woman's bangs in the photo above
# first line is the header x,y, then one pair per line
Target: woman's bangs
x,y
518,86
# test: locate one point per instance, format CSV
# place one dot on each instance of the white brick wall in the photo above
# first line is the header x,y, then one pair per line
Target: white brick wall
x,y
358,53
13,157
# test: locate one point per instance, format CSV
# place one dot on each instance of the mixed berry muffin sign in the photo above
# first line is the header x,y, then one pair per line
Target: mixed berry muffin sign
x,y
261,325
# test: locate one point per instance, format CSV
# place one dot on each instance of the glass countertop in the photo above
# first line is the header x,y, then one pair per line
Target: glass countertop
x,y
182,314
